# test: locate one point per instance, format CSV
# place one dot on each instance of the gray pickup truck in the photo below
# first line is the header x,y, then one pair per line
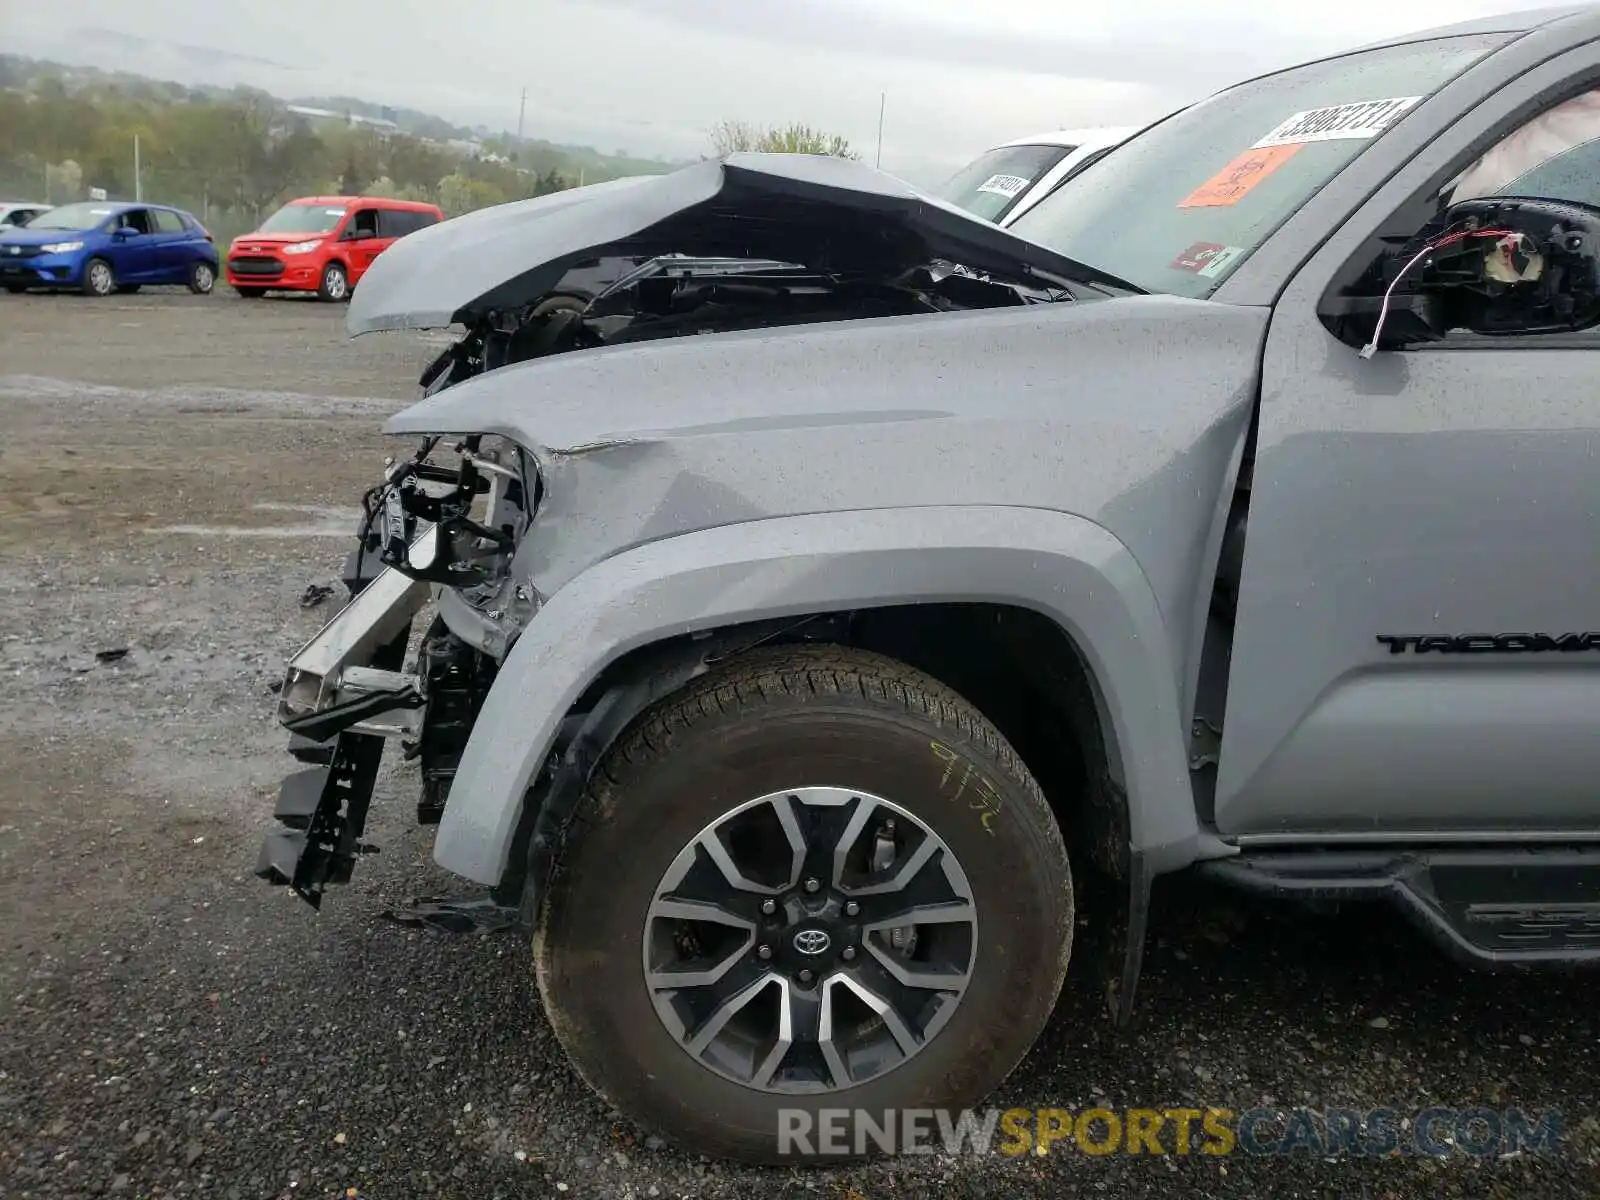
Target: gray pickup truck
x,y
805,640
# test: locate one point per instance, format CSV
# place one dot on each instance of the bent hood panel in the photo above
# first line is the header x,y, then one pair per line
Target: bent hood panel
x,y
823,213
1125,411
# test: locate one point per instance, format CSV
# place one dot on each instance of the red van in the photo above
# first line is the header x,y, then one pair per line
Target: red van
x,y
321,244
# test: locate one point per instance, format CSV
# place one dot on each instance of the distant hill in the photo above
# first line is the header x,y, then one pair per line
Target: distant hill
x,y
232,154
572,162
107,48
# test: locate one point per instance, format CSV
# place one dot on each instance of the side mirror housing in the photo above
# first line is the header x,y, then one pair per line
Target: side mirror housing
x,y
1498,265
1524,266
122,233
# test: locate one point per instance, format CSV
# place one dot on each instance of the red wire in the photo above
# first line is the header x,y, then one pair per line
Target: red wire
x,y
1470,233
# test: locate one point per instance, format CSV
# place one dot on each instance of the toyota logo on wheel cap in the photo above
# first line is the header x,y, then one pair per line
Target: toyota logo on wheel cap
x,y
811,941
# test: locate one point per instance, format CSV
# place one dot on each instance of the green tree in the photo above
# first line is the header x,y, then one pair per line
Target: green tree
x,y
64,182
353,181
231,155
460,193
732,137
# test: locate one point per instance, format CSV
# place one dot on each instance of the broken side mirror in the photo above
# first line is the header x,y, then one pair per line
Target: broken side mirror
x,y
1499,265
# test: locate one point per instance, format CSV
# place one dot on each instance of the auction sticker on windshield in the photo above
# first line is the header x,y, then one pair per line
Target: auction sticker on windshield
x,y
1206,258
1004,185
1338,121
1239,178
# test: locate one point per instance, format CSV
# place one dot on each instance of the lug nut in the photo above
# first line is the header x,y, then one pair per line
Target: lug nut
x,y
848,953
764,952
769,907
813,886
806,977
852,909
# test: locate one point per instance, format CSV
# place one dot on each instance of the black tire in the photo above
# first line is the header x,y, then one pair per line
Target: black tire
x,y
128,289
251,293
772,721
16,289
202,277
334,286
98,278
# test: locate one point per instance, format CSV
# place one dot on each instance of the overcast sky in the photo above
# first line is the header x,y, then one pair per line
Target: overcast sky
x,y
652,76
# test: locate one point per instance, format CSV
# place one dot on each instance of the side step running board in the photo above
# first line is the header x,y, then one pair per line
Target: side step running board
x,y
1497,907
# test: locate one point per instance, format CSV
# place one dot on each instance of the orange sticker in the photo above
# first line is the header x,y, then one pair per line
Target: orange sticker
x,y
1236,180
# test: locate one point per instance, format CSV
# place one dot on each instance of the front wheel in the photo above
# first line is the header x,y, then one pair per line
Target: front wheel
x,y
16,289
202,278
814,880
335,285
98,279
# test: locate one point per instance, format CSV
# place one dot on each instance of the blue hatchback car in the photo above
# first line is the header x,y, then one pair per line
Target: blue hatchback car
x,y
100,247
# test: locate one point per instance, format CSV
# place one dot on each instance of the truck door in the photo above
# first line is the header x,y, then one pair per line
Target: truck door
x,y
1417,649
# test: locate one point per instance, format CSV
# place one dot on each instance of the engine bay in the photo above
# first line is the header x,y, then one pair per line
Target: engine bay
x,y
681,296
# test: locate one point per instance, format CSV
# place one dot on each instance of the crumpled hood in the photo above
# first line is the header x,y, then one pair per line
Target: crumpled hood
x,y
828,214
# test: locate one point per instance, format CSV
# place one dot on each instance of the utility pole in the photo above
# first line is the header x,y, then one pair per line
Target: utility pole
x,y
522,110
138,184
883,102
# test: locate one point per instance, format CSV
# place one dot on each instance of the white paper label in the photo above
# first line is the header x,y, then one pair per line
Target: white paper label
x,y
1008,186
1338,121
1220,261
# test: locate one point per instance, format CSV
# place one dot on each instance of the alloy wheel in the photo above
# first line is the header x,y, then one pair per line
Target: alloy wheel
x,y
810,940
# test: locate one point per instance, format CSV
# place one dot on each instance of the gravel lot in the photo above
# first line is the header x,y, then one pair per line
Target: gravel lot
x,y
177,470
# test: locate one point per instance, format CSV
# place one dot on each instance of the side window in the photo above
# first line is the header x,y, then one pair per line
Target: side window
x,y
396,223
1553,156
1571,175
135,219
168,222
363,224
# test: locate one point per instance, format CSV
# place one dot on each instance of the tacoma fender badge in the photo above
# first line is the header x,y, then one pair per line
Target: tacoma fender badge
x,y
1491,643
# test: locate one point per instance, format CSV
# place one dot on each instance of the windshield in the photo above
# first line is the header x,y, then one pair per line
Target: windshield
x,y
71,216
990,186
303,218
1184,203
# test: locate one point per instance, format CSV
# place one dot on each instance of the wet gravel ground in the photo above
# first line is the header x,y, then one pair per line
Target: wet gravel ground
x,y
176,471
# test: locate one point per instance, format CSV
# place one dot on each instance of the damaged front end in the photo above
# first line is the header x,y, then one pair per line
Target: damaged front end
x,y
430,525
755,242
